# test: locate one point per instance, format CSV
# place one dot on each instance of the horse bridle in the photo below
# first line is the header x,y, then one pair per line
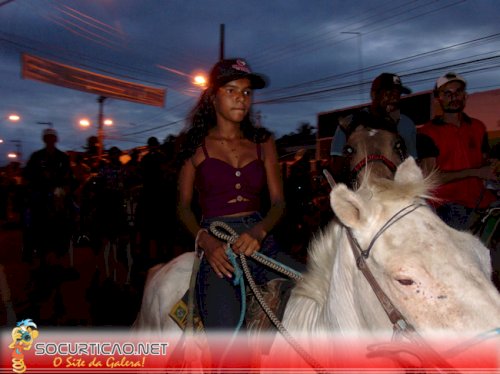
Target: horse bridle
x,y
400,323
375,158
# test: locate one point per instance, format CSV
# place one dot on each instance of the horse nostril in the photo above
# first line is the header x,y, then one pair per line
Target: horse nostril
x,y
405,282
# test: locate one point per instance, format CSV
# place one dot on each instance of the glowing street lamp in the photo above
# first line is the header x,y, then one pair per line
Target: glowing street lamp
x,y
1,141
14,117
84,122
12,155
200,80
108,122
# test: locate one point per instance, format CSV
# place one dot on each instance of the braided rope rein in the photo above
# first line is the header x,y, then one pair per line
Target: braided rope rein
x,y
230,238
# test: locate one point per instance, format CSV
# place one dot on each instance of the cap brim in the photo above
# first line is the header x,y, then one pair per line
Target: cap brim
x,y
452,80
405,90
257,81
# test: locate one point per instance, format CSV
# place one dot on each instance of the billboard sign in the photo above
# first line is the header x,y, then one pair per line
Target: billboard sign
x,y
47,71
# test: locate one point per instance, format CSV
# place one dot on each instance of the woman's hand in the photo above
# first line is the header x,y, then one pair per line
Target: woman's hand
x,y
215,252
249,241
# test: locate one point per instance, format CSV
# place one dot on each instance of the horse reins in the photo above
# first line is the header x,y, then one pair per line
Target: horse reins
x,y
230,239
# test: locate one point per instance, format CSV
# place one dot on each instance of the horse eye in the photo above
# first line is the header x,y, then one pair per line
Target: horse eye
x,y
405,282
348,150
398,145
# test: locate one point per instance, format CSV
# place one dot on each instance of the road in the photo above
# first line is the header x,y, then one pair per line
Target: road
x,y
63,295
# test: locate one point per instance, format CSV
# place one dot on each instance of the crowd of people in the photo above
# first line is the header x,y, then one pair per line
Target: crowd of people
x,y
452,145
133,212
124,211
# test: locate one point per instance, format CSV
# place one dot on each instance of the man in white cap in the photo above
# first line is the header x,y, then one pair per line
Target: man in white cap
x,y
457,146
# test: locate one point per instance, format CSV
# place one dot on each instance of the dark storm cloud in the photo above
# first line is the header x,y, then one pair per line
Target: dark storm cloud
x,y
301,45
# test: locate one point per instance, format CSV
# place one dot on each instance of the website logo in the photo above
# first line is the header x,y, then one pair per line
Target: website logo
x,y
23,336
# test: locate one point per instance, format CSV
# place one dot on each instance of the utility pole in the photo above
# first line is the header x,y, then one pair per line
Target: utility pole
x,y
100,129
18,144
221,50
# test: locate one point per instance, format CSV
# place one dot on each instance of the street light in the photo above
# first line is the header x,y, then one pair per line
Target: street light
x,y
200,80
360,61
14,117
18,144
84,122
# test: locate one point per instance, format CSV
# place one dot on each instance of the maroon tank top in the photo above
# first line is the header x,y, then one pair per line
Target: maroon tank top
x,y
226,190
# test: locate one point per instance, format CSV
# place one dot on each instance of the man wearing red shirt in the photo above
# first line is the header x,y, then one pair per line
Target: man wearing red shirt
x,y
457,146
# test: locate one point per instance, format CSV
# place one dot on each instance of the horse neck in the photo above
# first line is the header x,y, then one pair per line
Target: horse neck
x,y
352,307
333,296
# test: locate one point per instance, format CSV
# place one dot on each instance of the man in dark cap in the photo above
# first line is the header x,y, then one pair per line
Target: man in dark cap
x,y
383,113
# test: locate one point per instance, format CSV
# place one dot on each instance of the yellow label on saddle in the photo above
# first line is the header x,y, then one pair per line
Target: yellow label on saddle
x,y
179,314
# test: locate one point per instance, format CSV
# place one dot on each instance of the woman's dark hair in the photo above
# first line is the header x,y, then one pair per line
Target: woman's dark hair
x,y
203,117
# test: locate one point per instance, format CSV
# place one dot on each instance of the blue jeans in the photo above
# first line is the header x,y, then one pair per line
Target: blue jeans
x,y
219,301
455,215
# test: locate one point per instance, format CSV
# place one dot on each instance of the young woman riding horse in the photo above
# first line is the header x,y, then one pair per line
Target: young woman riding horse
x,y
230,162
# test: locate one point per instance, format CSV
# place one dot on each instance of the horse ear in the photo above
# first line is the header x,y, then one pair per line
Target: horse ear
x,y
348,206
408,172
345,122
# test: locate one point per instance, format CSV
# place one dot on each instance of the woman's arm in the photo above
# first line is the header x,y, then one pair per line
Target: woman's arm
x,y
275,187
185,187
214,249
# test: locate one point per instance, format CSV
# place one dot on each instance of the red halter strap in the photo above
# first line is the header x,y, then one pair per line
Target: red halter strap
x,y
373,158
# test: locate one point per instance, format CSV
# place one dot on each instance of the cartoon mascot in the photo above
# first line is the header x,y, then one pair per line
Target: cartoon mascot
x,y
22,340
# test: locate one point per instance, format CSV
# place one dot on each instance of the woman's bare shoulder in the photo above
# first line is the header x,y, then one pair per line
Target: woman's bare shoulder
x,y
269,147
198,157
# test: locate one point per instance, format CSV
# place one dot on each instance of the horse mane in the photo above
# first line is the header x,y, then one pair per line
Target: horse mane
x,y
408,188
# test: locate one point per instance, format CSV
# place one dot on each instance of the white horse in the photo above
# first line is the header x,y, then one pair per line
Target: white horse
x,y
437,277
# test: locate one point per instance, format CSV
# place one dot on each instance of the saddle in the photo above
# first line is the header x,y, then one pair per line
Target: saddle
x,y
275,293
485,225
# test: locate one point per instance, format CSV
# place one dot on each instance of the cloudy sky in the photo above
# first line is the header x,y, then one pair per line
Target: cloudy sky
x,y
315,52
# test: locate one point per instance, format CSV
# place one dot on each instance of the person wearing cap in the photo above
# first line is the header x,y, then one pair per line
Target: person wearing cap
x,y
48,177
230,162
457,146
383,113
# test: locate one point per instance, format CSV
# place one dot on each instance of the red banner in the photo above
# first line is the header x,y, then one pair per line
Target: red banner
x,y
37,349
52,72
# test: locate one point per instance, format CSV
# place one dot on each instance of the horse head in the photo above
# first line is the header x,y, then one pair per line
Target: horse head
x,y
369,141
